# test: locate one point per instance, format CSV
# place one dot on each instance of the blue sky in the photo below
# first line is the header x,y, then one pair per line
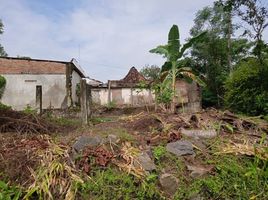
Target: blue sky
x,y
107,37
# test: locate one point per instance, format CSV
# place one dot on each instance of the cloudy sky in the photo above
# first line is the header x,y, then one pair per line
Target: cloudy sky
x,y
107,37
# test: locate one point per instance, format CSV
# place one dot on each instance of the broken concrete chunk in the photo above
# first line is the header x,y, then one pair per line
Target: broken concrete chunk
x,y
169,183
197,171
87,141
180,148
145,162
197,133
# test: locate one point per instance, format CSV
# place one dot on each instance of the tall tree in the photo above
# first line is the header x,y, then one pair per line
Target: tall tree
x,y
2,51
217,52
150,72
256,16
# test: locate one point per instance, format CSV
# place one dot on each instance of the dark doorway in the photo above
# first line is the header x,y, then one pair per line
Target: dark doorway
x,y
39,98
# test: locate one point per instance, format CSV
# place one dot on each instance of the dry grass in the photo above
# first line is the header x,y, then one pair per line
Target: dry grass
x,y
56,178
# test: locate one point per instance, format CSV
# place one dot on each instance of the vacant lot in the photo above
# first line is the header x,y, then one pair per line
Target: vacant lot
x,y
133,154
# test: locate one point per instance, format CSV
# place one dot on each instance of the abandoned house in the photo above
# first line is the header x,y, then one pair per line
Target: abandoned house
x,y
40,83
188,96
123,92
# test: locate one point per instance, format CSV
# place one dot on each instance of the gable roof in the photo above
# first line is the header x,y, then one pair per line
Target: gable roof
x,y
12,65
132,78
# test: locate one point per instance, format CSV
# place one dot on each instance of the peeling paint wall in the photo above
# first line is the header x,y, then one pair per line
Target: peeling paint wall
x,y
76,78
122,96
20,90
188,94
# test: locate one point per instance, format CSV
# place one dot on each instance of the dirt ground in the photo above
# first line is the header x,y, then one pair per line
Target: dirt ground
x,y
22,145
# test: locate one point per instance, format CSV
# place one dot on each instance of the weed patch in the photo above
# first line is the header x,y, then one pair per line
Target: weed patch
x,y
8,192
234,178
114,184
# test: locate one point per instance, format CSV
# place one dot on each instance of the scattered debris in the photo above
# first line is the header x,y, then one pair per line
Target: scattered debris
x,y
180,148
173,136
198,171
145,124
55,178
130,154
199,134
15,121
111,138
18,153
145,162
86,141
169,183
101,158
245,149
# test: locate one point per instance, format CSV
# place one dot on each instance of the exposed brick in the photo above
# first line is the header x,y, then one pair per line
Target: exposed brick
x,y
28,66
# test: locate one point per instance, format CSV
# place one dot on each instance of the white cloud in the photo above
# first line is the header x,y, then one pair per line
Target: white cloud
x,y
113,35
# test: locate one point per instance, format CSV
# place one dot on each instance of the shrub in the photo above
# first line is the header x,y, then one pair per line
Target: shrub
x,y
111,105
29,110
2,85
4,107
209,98
246,88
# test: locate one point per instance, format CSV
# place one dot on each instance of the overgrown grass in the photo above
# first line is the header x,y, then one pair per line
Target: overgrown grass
x,y
122,133
235,178
8,192
98,120
63,121
114,184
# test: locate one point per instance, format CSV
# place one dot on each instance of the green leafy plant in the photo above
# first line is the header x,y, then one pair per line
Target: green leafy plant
x,y
159,152
9,192
111,105
2,85
29,110
114,184
173,51
246,88
4,107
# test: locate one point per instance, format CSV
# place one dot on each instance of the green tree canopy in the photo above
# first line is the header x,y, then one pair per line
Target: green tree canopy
x,y
2,51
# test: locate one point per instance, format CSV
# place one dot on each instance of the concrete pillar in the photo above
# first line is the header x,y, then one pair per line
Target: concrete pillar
x,y
109,91
84,102
89,100
38,99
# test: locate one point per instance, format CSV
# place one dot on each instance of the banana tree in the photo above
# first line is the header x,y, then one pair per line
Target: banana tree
x,y
173,52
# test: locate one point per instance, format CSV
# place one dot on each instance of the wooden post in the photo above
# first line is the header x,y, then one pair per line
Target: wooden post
x,y
84,102
109,91
38,99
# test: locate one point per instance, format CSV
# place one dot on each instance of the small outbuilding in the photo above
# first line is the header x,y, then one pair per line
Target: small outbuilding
x,y
126,91
36,82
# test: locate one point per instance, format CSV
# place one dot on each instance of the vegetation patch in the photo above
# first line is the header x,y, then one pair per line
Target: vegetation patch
x,y
114,184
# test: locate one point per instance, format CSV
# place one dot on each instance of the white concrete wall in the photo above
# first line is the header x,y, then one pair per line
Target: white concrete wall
x,y
100,96
140,97
76,78
19,93
126,95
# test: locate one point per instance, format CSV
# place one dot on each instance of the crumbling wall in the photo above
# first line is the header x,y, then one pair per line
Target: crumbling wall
x,y
20,90
76,78
188,96
122,96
